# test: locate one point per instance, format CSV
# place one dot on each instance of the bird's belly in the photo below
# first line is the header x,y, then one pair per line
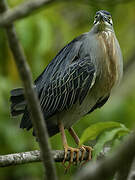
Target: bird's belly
x,y
74,114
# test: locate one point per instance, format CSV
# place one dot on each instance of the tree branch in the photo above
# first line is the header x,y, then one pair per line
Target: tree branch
x,y
19,158
34,156
107,167
21,11
31,97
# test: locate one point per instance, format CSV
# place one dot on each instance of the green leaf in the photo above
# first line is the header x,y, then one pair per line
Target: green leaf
x,y
106,137
94,130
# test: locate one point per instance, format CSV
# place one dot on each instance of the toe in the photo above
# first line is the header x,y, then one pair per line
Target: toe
x,y
83,153
71,155
84,149
72,150
65,153
77,155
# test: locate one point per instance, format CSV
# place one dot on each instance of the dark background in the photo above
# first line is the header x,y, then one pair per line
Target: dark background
x,y
42,35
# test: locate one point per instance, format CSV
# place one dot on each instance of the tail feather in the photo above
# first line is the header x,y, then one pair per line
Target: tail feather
x,y
26,120
19,106
17,99
17,92
16,113
18,102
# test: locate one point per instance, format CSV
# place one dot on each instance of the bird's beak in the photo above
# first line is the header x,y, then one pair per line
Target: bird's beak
x,y
101,18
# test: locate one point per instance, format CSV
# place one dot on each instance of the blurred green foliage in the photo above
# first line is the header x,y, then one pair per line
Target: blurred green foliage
x,y
42,35
93,131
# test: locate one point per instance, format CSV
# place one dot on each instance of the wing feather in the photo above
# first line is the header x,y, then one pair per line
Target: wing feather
x,y
65,90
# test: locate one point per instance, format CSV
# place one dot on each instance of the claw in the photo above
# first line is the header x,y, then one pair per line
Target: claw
x,y
72,150
76,150
84,149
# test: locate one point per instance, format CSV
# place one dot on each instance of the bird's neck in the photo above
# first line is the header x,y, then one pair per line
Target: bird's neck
x,y
98,28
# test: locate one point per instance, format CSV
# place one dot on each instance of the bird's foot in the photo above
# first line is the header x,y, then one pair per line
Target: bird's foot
x,y
72,150
89,150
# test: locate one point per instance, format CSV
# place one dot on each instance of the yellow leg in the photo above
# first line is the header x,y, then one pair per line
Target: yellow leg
x,y
67,148
74,135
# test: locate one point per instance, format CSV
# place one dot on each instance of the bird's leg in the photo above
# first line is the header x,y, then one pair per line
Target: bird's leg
x,y
83,147
67,148
74,135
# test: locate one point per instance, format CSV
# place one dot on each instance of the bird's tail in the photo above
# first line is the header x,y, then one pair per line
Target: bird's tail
x,y
18,102
19,106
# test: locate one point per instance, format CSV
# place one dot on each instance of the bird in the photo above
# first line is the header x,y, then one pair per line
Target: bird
x,y
77,81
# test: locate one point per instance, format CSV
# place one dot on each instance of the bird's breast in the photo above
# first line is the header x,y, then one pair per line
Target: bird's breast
x,y
110,60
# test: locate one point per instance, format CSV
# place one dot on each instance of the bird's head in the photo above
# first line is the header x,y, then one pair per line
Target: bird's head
x,y
103,20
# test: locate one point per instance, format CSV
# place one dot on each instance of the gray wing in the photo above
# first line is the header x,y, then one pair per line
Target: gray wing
x,y
65,90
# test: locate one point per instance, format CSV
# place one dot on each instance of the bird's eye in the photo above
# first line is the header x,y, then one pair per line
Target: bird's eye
x,y
109,17
96,16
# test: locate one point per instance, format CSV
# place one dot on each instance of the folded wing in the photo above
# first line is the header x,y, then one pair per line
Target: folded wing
x,y
68,88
